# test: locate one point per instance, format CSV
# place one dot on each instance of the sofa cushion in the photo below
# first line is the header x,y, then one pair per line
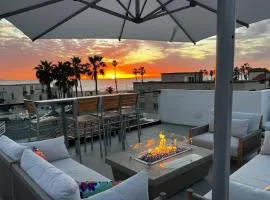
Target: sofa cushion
x,y
206,140
254,118
11,148
77,171
134,188
54,149
266,144
266,126
239,127
255,173
239,191
53,181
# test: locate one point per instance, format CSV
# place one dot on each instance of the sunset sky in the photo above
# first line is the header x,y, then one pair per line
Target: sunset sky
x,y
18,54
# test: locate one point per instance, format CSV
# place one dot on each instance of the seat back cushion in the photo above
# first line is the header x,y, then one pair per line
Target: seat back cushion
x,y
239,191
255,119
265,150
53,181
11,148
54,149
239,127
134,188
254,123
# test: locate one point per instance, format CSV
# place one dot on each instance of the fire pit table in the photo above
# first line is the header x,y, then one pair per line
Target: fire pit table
x,y
169,175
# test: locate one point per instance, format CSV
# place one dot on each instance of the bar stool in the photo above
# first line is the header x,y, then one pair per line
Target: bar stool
x,y
85,119
110,116
129,111
38,123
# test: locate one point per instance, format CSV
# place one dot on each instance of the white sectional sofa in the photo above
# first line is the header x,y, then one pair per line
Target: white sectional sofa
x,y
251,181
31,177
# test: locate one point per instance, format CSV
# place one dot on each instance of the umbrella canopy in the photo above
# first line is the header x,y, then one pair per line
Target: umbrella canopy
x,y
160,20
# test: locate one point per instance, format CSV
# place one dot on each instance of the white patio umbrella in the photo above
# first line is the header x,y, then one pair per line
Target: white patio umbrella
x,y
161,20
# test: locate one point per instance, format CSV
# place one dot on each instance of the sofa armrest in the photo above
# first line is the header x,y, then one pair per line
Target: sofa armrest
x,y
250,143
194,196
161,196
198,130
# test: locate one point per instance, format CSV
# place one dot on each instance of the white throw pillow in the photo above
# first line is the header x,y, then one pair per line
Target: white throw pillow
x,y
254,119
54,149
254,123
265,150
134,188
53,181
239,127
11,148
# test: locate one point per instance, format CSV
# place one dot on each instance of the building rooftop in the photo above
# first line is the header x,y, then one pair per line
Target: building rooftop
x,y
181,73
259,70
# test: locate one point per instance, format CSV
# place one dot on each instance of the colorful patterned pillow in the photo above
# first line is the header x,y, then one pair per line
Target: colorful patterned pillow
x,y
39,153
90,188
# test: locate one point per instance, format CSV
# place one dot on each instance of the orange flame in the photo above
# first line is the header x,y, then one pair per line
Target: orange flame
x,y
163,147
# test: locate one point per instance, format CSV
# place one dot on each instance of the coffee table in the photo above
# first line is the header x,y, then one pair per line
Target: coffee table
x,y
169,176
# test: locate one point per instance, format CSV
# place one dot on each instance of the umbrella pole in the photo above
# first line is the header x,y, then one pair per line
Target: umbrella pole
x,y
223,98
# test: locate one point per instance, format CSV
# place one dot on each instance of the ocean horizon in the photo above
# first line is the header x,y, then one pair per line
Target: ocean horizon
x,y
89,85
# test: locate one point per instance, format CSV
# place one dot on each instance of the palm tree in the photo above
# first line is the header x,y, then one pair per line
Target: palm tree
x,y
205,73
77,70
95,67
242,71
63,74
44,73
236,73
135,72
211,73
247,70
114,63
109,90
141,71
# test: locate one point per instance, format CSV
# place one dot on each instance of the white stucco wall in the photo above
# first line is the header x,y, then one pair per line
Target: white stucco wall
x,y
193,107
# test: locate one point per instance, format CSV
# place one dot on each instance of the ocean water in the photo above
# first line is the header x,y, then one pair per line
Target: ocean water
x,y
89,85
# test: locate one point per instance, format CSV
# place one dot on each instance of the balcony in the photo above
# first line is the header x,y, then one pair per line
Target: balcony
x,y
177,111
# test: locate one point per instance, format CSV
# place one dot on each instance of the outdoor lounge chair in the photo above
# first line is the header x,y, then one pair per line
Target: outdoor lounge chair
x,y
246,135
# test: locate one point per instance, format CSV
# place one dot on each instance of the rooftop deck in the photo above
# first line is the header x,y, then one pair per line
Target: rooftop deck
x,y
93,160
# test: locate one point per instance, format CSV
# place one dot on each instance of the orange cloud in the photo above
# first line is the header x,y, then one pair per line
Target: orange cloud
x,y
19,55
